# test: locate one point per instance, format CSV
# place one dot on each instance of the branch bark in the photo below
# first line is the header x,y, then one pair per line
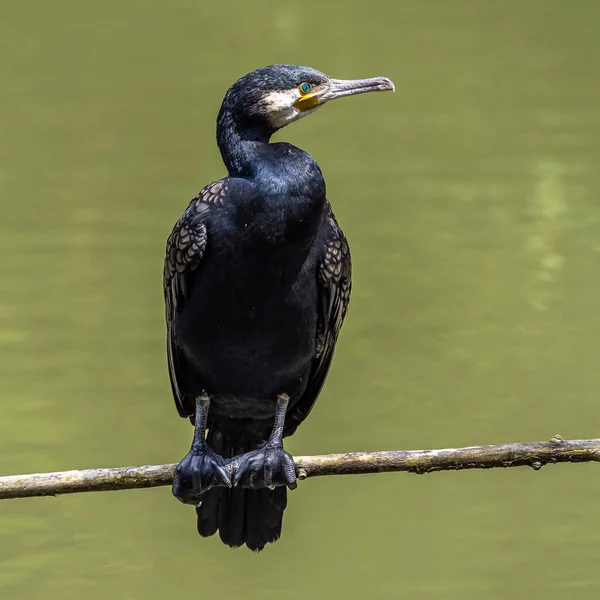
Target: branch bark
x,y
532,454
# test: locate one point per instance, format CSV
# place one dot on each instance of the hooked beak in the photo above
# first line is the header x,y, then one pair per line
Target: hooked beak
x,y
338,88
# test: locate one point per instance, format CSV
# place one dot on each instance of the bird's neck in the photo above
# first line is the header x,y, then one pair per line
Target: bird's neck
x,y
280,170
240,143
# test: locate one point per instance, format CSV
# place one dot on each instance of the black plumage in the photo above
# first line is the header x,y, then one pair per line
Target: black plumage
x,y
257,282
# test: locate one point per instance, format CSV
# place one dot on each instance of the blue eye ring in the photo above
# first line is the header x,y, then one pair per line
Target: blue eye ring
x,y
305,87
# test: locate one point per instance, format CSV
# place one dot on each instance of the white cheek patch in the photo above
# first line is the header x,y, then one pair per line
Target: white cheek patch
x,y
280,107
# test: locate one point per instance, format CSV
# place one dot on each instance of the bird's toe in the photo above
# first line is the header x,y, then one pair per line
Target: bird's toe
x,y
199,471
268,467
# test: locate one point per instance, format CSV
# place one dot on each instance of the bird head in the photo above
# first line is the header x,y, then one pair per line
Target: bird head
x,y
272,97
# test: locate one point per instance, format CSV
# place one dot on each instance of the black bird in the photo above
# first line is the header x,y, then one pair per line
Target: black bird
x,y
257,284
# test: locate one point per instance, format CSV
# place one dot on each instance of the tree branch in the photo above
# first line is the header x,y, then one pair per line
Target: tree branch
x,y
533,454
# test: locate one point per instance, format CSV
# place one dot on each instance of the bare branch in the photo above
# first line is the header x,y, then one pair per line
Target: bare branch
x,y
533,454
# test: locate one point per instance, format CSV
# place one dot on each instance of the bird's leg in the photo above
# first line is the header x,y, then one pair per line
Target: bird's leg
x,y
269,466
201,469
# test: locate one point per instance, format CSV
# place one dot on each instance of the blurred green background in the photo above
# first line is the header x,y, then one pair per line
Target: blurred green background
x,y
471,202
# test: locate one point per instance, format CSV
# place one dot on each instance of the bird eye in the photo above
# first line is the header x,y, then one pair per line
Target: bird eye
x,y
305,87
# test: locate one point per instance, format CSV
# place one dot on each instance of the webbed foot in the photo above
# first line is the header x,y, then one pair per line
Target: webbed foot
x,y
201,469
265,467
269,466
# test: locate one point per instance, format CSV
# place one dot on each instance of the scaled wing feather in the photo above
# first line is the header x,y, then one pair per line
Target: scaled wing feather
x,y
335,283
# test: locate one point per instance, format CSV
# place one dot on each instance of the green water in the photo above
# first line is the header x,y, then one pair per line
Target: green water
x,y
471,202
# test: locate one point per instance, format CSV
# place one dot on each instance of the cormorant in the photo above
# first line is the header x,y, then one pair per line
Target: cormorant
x,y
257,282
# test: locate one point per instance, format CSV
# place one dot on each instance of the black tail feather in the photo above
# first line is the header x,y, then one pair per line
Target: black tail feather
x,y
208,513
232,519
251,517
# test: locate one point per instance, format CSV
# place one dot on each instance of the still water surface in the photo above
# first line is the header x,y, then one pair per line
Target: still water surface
x,y
471,199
